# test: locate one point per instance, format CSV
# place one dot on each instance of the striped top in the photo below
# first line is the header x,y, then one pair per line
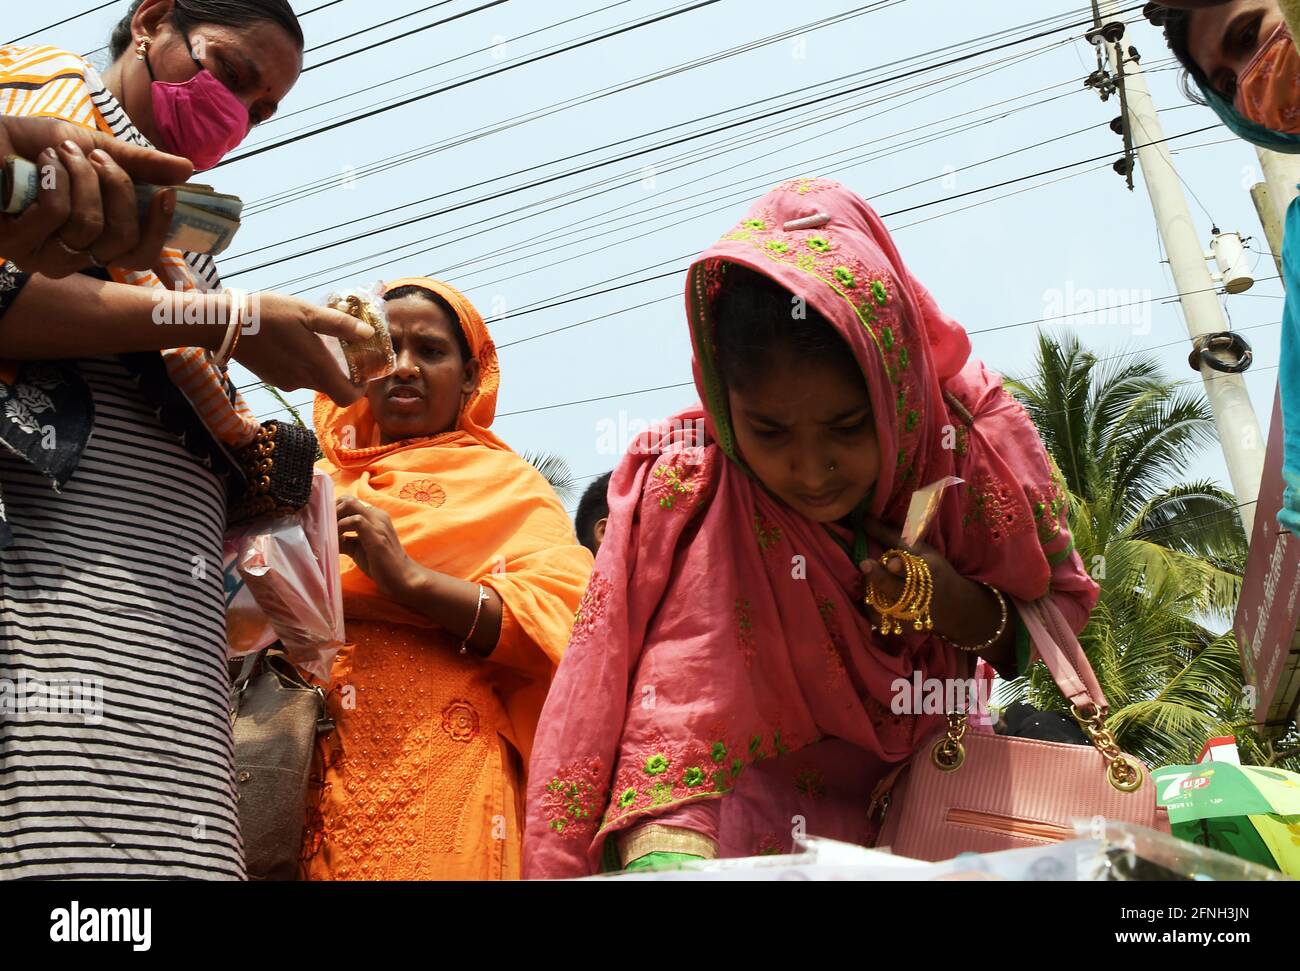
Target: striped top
x,y
111,601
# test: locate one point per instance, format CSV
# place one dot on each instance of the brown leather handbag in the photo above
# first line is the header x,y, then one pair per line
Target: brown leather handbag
x,y
278,717
980,793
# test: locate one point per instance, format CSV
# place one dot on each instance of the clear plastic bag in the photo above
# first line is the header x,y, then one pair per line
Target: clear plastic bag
x,y
290,567
370,360
247,629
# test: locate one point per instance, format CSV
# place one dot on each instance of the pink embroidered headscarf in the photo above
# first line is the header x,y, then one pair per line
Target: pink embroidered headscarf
x,y
721,629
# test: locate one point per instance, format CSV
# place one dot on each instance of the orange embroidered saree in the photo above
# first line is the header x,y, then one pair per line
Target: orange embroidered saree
x,y
424,773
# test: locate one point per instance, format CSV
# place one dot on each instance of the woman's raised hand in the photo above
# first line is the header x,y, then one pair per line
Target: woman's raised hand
x,y
283,346
86,212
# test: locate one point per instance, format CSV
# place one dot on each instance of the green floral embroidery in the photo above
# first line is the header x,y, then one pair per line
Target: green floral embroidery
x,y
845,278
806,262
887,338
777,745
913,419
902,458
880,292
776,246
656,765
768,533
578,799
826,607
719,752
693,777
819,244
1050,504
756,224
902,400
904,359
737,767
744,629
628,797
661,793
676,488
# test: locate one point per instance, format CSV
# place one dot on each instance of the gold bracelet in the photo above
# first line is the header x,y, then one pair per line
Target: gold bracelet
x,y
914,602
1002,625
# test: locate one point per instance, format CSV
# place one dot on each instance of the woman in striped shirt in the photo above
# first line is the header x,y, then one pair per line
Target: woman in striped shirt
x,y
116,757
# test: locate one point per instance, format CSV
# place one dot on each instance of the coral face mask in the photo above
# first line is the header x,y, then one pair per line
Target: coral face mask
x,y
1268,92
200,119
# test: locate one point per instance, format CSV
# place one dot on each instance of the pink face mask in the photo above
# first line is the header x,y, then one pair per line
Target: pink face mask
x,y
200,119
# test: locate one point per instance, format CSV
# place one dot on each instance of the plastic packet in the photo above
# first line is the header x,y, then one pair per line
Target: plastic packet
x,y
247,629
370,360
922,508
290,566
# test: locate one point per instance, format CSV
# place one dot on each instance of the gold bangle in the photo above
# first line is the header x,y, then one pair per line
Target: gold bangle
x,y
1002,625
914,602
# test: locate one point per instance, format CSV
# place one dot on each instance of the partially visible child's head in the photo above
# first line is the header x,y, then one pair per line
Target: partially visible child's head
x,y
800,406
593,514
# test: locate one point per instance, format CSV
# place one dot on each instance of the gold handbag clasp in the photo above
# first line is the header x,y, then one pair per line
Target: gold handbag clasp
x,y
1122,771
949,754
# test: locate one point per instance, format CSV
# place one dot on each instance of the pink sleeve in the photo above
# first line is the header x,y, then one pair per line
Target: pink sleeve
x,y
702,816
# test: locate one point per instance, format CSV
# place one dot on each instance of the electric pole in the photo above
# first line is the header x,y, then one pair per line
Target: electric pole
x,y
1239,430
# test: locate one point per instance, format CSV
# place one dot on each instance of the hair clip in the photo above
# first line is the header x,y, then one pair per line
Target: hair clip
x,y
808,222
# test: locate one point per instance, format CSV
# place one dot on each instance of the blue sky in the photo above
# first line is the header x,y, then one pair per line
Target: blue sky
x,y
1012,260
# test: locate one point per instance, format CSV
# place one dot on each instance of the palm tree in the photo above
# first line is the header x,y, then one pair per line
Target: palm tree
x,y
556,471
1168,554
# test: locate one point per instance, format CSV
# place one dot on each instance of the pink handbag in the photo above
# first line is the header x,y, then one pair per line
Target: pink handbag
x,y
979,793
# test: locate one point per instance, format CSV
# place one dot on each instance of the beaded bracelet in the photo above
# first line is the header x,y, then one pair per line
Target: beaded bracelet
x,y
478,612
1002,626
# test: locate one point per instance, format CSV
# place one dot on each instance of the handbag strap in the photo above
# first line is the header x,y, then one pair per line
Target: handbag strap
x,y
1061,651
246,668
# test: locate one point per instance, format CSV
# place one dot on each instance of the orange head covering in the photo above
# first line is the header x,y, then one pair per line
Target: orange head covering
x,y
358,432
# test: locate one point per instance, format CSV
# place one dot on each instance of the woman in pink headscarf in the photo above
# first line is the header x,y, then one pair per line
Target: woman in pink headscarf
x,y
725,691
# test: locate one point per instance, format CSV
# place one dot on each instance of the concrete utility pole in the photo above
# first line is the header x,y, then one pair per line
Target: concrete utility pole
x,y
1281,173
1262,196
1242,441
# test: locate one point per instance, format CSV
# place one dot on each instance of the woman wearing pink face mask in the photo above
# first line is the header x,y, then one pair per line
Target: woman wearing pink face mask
x,y
120,452
1242,61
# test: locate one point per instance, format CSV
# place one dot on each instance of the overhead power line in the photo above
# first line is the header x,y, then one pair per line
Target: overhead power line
x,y
362,116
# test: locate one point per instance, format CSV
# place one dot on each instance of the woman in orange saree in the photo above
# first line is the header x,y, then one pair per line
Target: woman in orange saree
x,y
461,577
